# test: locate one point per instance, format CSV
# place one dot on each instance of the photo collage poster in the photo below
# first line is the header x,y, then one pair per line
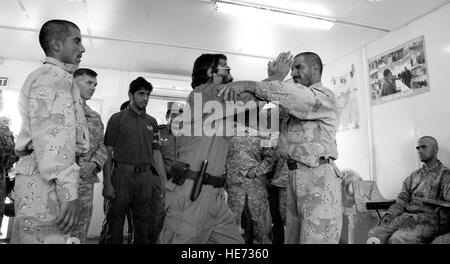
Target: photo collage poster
x,y
399,73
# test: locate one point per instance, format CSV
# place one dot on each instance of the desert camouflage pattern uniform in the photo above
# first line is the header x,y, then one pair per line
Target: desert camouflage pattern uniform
x,y
53,131
97,154
444,239
244,154
413,221
7,159
307,133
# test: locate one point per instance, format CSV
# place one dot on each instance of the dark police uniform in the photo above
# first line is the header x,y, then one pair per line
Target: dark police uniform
x,y
167,148
135,180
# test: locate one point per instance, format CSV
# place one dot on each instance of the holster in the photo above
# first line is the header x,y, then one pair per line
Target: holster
x,y
179,172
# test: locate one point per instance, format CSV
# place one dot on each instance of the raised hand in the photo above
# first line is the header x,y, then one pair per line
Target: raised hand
x,y
279,68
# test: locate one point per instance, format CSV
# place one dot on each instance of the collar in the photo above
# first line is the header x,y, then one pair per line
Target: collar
x,y
71,68
435,167
317,86
131,110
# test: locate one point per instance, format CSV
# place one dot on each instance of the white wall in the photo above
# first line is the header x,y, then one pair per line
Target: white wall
x,y
353,145
111,92
389,131
398,124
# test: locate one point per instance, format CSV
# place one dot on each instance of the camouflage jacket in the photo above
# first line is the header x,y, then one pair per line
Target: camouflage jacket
x,y
430,183
97,152
7,157
53,127
244,154
309,129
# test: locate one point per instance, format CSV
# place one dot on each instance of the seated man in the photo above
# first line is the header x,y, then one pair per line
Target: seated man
x,y
409,221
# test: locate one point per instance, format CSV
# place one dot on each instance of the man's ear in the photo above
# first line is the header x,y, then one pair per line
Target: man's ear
x,y
56,45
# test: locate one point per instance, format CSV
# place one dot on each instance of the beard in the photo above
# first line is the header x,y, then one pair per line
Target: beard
x,y
227,80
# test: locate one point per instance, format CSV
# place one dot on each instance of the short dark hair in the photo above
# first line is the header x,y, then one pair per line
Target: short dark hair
x,y
312,58
201,66
386,72
430,138
54,29
124,105
138,84
84,71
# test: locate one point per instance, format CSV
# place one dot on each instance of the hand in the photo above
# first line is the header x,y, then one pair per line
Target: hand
x,y
108,191
87,169
251,174
386,219
409,223
278,69
231,91
68,217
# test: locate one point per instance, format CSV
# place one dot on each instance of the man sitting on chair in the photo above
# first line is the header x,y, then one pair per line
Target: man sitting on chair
x,y
409,221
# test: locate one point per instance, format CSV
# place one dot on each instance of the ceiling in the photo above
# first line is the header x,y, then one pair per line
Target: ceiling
x,y
165,36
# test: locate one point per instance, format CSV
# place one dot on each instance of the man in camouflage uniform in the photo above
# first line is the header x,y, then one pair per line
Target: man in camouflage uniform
x,y
247,164
167,139
307,143
53,132
7,157
409,221
91,163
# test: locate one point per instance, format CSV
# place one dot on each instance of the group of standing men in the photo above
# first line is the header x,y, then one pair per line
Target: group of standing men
x,y
62,148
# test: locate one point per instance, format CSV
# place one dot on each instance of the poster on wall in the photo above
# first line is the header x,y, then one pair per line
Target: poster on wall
x,y
344,86
399,73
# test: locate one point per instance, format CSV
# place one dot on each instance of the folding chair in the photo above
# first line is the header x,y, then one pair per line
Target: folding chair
x,y
368,197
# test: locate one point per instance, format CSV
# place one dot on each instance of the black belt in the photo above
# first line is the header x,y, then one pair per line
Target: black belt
x,y
135,168
216,182
292,164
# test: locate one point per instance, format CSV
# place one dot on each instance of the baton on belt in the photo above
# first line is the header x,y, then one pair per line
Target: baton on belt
x,y
198,182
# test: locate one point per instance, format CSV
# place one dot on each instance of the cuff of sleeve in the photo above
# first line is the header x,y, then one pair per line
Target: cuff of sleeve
x,y
67,183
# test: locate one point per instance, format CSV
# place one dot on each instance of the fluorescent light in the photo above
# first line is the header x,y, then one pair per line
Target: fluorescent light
x,y
447,49
263,14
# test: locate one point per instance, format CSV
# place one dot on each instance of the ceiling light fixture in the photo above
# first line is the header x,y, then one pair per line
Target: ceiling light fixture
x,y
273,14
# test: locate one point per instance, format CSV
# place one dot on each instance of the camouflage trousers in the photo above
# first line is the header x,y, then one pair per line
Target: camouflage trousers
x,y
444,239
85,207
408,228
258,205
208,219
36,205
314,205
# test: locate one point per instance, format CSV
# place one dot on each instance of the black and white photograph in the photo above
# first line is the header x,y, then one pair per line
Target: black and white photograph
x,y
221,131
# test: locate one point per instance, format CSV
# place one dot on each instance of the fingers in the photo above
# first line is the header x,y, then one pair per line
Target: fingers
x,y
71,222
65,222
226,94
221,90
280,56
61,217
